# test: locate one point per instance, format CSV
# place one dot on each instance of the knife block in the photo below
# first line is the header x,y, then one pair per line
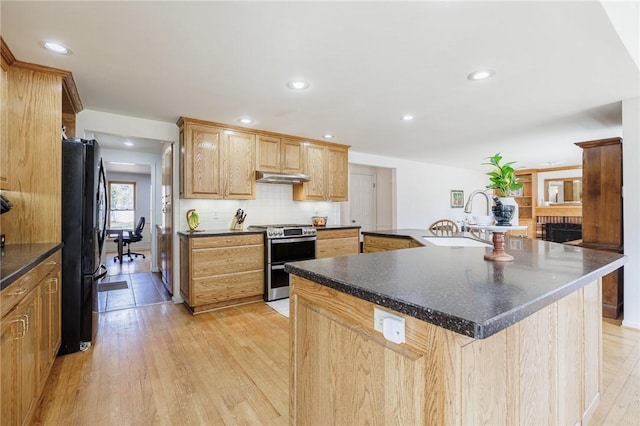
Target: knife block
x,y
235,226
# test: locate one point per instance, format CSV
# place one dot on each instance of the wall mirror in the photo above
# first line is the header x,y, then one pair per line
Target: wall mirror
x,y
563,190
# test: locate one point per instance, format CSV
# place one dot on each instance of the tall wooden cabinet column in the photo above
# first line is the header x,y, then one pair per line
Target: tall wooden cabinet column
x,y
602,211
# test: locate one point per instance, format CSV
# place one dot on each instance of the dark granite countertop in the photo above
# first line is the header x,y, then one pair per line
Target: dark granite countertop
x,y
215,233
18,259
455,288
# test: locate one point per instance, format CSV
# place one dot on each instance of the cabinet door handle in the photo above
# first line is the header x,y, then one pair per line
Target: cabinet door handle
x,y
26,324
52,262
22,331
19,292
55,285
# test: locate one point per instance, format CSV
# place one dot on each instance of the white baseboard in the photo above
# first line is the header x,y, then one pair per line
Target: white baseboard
x,y
631,324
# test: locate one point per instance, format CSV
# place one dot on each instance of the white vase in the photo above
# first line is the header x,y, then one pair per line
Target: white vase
x,y
510,201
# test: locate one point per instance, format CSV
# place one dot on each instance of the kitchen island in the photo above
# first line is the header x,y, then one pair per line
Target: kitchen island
x,y
484,342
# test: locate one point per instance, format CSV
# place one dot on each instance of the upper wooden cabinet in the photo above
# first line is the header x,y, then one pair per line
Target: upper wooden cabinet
x,y
219,161
216,163
278,155
327,165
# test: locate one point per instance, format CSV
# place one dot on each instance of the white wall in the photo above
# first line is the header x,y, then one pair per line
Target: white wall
x,y
143,206
273,204
631,210
423,190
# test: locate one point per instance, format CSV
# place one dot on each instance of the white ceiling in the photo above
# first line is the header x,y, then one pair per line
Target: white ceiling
x,y
561,70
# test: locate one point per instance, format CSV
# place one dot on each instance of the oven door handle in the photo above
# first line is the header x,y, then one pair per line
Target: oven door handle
x,y
277,267
291,240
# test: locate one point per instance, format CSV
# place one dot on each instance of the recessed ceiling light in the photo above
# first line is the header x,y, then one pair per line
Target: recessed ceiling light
x,y
245,120
407,117
298,85
481,74
56,47
128,143
328,136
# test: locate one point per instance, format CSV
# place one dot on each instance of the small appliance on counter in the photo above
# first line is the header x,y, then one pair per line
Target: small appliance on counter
x,y
319,221
238,220
6,204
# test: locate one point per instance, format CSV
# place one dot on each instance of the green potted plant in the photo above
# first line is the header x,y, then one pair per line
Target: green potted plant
x,y
503,177
504,181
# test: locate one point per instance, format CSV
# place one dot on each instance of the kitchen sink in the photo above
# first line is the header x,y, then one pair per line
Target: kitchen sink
x,y
456,242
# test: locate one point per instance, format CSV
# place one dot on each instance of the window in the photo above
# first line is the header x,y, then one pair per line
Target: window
x,y
122,202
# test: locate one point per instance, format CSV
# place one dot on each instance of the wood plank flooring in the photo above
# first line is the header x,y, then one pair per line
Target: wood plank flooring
x,y
159,365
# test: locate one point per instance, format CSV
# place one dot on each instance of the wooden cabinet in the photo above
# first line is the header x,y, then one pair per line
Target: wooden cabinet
x,y
545,369
19,369
30,338
50,318
327,165
526,199
337,242
221,270
216,163
4,133
602,226
278,155
375,243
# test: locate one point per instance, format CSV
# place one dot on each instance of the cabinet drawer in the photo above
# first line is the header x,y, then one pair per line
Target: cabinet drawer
x,y
17,290
338,233
227,241
226,260
227,287
372,244
337,247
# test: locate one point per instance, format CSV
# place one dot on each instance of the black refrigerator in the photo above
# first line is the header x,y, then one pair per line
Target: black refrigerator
x,y
84,216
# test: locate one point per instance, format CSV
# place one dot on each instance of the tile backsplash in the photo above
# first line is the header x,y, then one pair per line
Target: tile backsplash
x,y
273,204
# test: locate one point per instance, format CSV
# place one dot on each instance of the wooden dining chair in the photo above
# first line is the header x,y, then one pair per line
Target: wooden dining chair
x,y
444,228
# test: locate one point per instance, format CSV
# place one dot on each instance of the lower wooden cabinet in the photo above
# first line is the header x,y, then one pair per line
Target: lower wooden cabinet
x,y
375,243
220,271
30,338
337,242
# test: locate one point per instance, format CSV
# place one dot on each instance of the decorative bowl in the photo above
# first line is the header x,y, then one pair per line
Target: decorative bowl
x,y
483,220
319,220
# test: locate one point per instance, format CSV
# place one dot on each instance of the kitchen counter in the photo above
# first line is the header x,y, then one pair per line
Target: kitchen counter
x,y
437,335
216,233
454,287
18,259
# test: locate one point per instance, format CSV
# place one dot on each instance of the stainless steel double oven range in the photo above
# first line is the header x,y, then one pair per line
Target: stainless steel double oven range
x,y
284,243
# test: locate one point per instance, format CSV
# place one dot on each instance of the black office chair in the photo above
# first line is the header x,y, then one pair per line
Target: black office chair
x,y
132,238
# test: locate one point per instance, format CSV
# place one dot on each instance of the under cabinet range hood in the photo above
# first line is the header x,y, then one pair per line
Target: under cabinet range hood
x,y
285,178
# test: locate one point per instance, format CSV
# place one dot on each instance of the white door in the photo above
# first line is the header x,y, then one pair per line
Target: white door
x,y
362,200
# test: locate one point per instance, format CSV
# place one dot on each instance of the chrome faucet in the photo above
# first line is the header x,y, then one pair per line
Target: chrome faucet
x,y
469,206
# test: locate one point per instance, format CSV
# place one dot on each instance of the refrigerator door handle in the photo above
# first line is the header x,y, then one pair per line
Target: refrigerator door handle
x,y
99,272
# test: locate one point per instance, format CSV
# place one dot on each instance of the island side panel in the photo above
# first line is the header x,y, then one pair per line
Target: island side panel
x,y
544,369
344,372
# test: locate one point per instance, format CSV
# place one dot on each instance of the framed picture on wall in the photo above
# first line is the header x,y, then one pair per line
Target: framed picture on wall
x,y
457,198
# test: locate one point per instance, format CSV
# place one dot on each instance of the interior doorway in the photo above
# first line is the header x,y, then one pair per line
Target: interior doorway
x,y
150,162
371,198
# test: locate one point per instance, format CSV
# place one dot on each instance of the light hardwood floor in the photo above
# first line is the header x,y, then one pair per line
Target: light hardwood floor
x,y
160,365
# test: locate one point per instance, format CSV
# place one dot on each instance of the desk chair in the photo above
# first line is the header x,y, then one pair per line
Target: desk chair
x,y
132,238
444,228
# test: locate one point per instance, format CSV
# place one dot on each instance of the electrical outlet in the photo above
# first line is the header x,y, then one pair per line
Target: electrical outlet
x,y
392,328
378,318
